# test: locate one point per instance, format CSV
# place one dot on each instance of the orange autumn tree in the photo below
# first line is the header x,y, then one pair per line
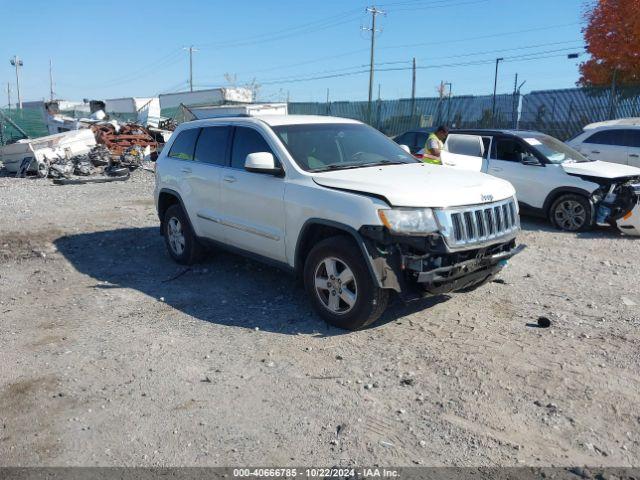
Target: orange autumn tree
x,y
612,36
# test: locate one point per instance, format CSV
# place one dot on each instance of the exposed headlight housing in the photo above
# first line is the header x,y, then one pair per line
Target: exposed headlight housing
x,y
409,221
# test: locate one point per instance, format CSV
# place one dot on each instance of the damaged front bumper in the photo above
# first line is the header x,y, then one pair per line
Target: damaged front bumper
x,y
417,266
616,203
629,224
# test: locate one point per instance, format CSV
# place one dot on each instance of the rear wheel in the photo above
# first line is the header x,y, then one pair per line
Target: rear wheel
x,y
340,286
571,213
182,244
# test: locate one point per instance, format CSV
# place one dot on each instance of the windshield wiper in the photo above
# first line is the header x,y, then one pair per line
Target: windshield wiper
x,y
334,167
382,162
349,166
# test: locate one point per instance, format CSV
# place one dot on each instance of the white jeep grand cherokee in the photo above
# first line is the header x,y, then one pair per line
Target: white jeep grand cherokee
x,y
337,202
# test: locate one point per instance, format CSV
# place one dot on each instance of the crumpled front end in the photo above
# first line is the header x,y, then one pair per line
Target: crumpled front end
x,y
472,246
616,202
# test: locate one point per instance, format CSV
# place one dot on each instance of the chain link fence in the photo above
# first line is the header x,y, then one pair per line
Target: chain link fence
x,y
561,113
392,117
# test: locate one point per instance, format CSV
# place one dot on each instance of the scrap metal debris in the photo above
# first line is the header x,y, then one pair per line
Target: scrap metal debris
x,y
120,138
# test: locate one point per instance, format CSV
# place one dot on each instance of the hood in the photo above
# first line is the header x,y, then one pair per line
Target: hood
x,y
419,185
601,169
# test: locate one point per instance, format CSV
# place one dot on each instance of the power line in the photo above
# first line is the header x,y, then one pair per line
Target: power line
x,y
481,61
513,59
321,24
491,35
431,7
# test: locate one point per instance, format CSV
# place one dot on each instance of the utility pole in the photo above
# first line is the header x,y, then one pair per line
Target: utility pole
x,y
495,86
374,12
191,50
514,108
9,95
612,95
449,102
17,62
51,95
327,105
413,88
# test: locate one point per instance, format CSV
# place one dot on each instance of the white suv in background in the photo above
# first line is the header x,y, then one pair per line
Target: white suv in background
x,y
615,141
552,180
339,203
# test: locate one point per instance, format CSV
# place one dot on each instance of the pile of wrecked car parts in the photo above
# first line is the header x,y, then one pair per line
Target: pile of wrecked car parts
x,y
108,152
121,138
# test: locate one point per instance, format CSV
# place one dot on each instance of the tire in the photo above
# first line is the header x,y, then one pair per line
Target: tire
x,y
350,299
181,242
572,213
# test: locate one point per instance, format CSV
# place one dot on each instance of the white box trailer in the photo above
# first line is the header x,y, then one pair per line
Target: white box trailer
x,y
200,112
212,96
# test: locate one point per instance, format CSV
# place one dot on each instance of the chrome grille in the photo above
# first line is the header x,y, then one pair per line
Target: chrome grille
x,y
479,224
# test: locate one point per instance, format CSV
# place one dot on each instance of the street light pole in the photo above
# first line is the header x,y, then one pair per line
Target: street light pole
x,y
17,62
495,86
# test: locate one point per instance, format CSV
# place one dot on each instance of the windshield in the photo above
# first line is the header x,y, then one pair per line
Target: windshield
x,y
554,150
326,146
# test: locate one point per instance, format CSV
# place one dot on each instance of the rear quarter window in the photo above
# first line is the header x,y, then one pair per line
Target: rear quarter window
x,y
607,137
183,147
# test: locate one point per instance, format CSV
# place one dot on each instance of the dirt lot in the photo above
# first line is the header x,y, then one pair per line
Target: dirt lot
x,y
111,354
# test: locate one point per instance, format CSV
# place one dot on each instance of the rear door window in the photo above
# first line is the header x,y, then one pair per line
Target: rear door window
x,y
212,145
607,137
509,150
184,145
246,141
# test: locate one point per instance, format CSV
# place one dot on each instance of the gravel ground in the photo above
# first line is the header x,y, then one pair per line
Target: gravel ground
x,y
113,355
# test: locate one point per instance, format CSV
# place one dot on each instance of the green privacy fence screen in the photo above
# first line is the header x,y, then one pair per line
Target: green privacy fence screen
x,y
29,120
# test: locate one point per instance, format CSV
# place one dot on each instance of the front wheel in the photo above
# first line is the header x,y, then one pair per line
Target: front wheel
x,y
572,213
182,244
340,286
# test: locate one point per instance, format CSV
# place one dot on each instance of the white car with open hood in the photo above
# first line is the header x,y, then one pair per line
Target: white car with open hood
x,y
334,200
551,179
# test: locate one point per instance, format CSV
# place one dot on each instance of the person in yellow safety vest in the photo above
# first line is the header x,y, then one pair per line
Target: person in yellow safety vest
x,y
435,145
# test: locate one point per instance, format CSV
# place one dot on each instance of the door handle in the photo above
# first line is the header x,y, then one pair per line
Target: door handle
x,y
229,179
634,155
595,151
186,170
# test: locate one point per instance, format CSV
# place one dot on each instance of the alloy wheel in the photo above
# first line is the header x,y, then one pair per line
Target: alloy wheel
x,y
570,215
336,285
175,236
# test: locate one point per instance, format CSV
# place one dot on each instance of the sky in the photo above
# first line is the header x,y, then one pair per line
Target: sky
x,y
113,48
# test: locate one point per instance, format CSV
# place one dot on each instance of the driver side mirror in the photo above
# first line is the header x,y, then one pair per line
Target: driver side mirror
x,y
262,162
405,148
530,160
